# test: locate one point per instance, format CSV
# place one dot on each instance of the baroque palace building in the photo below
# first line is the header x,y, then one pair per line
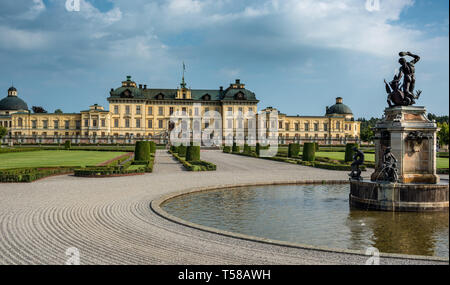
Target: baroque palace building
x,y
137,112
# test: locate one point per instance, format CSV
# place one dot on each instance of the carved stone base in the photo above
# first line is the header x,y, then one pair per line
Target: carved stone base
x,y
399,197
412,139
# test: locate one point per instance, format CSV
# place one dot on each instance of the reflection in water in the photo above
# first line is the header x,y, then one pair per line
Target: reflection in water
x,y
314,214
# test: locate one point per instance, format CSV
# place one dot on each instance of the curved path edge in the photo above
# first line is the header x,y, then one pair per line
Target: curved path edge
x,y
156,204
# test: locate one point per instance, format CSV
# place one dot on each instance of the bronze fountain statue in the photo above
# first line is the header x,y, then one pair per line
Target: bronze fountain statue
x,y
405,176
403,95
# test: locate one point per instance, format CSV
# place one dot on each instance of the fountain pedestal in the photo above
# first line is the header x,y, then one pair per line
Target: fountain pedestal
x,y
411,138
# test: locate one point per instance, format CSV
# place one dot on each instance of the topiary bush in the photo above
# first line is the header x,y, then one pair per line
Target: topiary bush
x,y
152,147
142,151
67,145
293,150
258,149
309,152
235,148
247,149
182,150
316,146
349,151
173,149
193,153
227,149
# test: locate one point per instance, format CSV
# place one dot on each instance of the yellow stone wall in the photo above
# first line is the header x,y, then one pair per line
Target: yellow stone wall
x,y
45,125
154,116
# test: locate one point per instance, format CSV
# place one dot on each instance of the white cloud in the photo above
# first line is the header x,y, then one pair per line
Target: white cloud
x,y
11,38
88,11
37,7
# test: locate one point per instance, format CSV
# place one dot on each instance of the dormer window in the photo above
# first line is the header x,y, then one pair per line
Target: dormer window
x,y
239,96
160,96
207,97
127,94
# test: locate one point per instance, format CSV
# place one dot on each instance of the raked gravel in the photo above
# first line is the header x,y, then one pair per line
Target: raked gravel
x,y
109,220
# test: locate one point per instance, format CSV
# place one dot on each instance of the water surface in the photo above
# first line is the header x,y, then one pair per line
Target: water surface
x,y
314,214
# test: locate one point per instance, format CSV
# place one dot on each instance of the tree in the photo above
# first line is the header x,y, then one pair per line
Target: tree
x,y
443,133
38,110
439,119
366,132
3,132
58,111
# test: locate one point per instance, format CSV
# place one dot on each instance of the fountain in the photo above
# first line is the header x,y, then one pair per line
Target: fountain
x,y
405,176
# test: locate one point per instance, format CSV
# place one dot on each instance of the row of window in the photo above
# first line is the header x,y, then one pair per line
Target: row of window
x,y
56,124
325,136
138,123
161,111
6,124
347,127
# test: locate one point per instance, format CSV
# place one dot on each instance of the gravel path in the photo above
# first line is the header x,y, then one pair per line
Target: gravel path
x,y
109,219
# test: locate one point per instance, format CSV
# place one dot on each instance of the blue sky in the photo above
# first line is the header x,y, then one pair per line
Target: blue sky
x,y
296,55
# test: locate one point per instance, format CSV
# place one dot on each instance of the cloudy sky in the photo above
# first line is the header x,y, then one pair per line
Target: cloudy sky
x,y
296,55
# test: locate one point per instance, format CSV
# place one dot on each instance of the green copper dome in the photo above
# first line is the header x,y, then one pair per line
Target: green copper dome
x,y
12,102
339,108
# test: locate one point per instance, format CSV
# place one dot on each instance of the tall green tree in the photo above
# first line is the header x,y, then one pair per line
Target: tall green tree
x,y
443,133
38,110
366,132
3,132
438,119
58,111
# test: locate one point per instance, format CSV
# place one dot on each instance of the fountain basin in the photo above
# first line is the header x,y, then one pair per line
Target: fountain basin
x,y
402,197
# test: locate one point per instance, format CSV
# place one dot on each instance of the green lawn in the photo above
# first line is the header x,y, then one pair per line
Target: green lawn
x,y
341,155
442,162
47,158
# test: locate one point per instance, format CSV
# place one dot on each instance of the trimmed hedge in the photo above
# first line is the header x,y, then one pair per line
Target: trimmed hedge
x,y
11,150
324,165
199,165
18,175
235,148
67,145
173,149
309,152
182,151
349,152
293,150
258,149
227,149
193,153
130,167
247,149
142,151
152,147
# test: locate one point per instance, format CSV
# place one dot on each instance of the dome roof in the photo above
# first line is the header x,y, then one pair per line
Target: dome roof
x,y
13,103
12,88
339,108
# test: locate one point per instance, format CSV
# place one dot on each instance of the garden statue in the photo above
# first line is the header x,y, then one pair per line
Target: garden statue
x,y
389,171
358,160
403,95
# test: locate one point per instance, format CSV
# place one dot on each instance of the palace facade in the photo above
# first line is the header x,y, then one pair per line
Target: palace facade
x,y
137,112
